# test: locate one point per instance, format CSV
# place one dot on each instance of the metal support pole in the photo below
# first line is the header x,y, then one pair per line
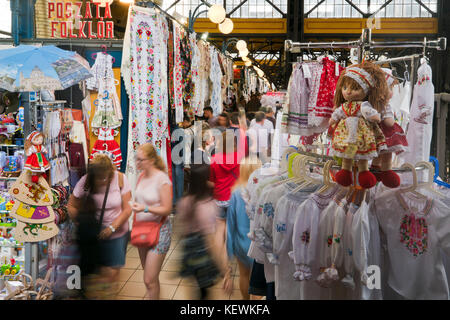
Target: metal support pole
x,y
442,102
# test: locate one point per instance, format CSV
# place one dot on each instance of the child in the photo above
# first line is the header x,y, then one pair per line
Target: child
x,y
238,224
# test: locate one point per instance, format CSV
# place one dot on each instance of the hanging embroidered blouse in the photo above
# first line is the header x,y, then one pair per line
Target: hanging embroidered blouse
x,y
283,226
306,234
416,231
108,111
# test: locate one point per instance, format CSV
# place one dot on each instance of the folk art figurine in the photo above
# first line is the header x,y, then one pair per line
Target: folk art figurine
x,y
361,96
395,141
36,162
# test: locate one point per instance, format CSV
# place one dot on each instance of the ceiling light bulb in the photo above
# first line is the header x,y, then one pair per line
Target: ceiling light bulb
x,y
243,53
226,26
245,59
241,45
205,36
248,63
216,13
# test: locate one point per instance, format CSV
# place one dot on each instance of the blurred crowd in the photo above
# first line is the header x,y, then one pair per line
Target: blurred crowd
x,y
205,199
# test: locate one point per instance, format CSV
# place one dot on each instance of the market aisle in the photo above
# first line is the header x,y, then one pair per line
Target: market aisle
x,y
172,286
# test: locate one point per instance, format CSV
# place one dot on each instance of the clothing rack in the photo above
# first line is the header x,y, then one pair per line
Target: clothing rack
x,y
365,43
325,158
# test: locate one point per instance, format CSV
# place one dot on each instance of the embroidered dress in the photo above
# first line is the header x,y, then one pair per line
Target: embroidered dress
x,y
420,129
216,78
417,233
354,128
299,93
36,161
395,137
108,111
144,63
196,105
107,145
324,105
177,73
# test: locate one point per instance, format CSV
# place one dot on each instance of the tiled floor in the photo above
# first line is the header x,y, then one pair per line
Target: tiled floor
x,y
172,286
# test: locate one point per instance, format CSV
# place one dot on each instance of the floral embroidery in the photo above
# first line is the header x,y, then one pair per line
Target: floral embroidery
x,y
330,240
414,234
260,210
306,236
255,180
268,209
337,238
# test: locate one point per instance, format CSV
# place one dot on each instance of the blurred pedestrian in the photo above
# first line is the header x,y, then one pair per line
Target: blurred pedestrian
x,y
238,224
197,214
153,204
100,207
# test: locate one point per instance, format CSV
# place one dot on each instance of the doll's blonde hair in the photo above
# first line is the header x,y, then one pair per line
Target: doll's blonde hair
x,y
377,94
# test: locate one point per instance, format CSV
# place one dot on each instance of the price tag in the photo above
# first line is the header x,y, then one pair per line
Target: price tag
x,y
306,71
336,69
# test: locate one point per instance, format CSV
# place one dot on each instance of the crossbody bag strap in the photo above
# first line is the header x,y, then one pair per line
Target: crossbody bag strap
x,y
104,202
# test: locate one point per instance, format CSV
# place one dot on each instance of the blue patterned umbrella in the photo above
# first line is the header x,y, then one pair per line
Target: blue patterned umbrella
x,y
31,68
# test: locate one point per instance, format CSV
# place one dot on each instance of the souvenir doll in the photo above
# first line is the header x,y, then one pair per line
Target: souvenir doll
x,y
395,141
36,161
361,95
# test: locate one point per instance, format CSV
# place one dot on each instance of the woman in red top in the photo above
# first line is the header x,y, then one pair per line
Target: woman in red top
x,y
224,173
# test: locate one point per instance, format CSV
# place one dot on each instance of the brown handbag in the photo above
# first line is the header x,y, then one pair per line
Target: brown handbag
x,y
145,234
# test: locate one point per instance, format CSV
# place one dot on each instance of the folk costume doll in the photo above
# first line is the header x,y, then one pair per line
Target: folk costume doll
x,y
36,162
395,141
361,95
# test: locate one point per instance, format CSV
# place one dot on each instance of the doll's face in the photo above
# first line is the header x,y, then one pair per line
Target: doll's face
x,y
38,140
350,93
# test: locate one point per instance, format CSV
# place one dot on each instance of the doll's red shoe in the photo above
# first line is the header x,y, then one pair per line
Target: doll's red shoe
x,y
367,179
344,177
35,178
376,171
390,179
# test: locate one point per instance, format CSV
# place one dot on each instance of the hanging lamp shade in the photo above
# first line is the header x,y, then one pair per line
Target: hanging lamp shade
x,y
226,26
216,13
241,45
243,53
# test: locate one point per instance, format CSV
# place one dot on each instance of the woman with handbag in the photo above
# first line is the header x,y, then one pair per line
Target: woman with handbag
x,y
108,193
152,229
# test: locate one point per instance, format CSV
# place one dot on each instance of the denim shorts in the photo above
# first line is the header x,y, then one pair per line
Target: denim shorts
x,y
223,209
113,251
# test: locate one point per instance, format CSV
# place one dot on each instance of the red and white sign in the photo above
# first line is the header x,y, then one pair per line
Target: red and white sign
x,y
80,19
